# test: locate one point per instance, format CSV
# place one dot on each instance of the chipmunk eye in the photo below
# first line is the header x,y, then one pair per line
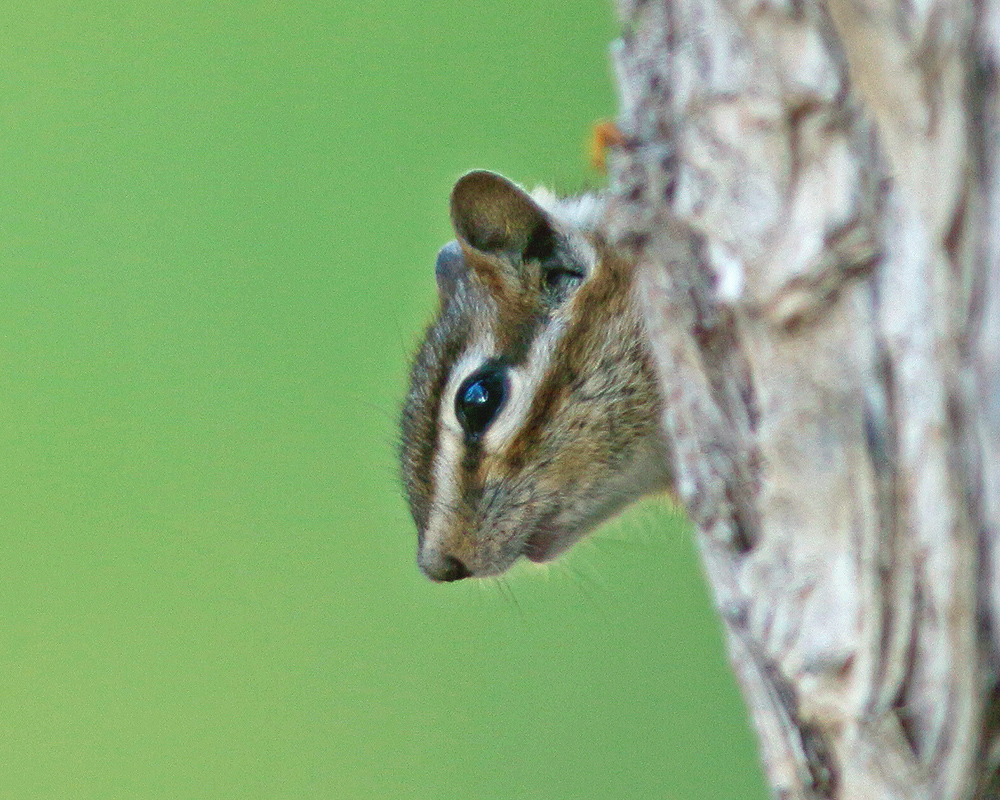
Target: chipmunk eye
x,y
479,400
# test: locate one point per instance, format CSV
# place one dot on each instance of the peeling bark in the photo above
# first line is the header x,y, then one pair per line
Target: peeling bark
x,y
812,194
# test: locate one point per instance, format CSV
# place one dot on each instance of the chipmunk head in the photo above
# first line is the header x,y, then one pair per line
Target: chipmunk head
x,y
532,413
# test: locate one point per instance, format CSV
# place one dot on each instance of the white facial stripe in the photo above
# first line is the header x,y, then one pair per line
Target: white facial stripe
x,y
446,462
524,382
451,438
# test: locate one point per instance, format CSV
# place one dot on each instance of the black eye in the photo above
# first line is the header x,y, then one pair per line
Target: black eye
x,y
479,400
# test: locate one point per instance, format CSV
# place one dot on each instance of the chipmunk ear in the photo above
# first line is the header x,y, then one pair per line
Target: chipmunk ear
x,y
449,270
494,216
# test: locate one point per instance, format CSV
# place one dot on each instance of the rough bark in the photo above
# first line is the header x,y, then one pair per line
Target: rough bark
x,y
812,194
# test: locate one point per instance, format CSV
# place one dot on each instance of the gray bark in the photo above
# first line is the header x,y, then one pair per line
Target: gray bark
x,y
812,195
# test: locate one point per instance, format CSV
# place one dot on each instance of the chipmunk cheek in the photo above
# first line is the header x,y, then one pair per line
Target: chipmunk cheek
x,y
546,543
540,546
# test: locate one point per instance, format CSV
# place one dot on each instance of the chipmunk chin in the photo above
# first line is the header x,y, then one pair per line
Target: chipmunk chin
x,y
547,543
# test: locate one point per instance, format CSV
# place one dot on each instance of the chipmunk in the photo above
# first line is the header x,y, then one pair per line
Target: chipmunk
x,y
532,413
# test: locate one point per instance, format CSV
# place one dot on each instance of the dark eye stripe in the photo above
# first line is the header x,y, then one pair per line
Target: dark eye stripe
x,y
479,400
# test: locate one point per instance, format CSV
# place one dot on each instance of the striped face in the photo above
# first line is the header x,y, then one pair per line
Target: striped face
x,y
532,411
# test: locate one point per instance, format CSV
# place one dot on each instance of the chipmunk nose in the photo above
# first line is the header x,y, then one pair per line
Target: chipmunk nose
x,y
441,567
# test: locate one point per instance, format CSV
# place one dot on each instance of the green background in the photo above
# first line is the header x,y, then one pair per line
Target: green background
x,y
217,231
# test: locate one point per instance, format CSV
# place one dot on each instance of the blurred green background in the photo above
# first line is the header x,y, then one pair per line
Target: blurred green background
x,y
217,231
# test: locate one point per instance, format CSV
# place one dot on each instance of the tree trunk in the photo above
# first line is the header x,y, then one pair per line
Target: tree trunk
x,y
812,195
